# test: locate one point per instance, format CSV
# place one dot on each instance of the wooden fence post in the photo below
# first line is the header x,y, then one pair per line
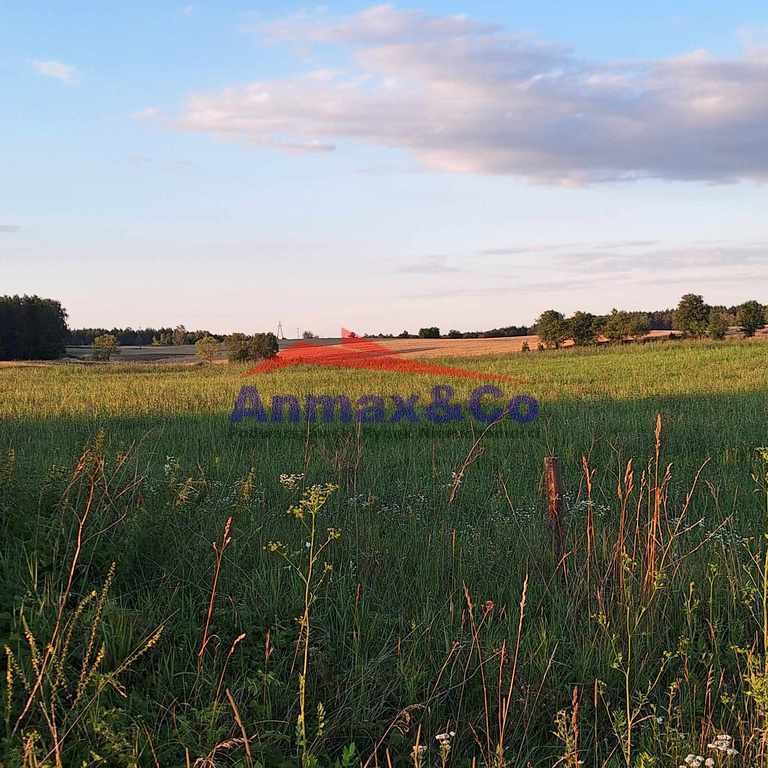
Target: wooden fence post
x,y
555,509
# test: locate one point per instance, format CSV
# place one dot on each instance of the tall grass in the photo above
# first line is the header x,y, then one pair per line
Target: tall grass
x,y
161,605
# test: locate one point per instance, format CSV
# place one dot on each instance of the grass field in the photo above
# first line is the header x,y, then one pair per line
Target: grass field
x,y
416,595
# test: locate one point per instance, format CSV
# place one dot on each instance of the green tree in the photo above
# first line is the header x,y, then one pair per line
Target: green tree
x,y
636,324
260,346
718,326
454,334
104,346
32,328
433,332
552,328
750,316
206,348
692,315
614,326
583,328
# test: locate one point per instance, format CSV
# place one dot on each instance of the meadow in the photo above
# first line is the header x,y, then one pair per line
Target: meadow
x,y
179,590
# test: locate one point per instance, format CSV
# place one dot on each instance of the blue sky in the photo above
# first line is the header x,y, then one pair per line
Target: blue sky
x,y
228,165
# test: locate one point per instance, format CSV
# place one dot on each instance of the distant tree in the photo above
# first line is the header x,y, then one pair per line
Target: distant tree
x,y
454,334
32,328
206,348
552,328
718,325
179,335
164,337
104,347
404,335
614,326
692,315
582,328
636,324
309,335
261,346
750,316
429,333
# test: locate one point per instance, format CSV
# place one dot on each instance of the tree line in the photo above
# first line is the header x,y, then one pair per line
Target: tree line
x,y
143,337
32,328
35,328
693,318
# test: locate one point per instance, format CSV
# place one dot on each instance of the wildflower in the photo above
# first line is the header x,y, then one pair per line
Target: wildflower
x,y
291,481
724,743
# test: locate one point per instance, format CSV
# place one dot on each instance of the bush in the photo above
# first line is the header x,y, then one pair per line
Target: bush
x,y
260,346
429,333
104,346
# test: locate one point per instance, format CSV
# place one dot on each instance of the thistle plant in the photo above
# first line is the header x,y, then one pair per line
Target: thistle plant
x,y
306,565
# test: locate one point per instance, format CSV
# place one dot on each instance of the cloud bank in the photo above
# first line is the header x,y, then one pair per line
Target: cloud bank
x,y
461,96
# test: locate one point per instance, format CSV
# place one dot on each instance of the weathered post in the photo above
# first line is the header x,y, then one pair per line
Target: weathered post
x,y
555,510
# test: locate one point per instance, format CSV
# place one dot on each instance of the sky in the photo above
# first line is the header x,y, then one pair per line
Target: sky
x,y
231,165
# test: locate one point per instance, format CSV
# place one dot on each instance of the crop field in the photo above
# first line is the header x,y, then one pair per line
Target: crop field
x,y
181,590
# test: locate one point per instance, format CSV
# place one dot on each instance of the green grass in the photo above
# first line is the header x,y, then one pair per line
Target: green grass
x,y
395,652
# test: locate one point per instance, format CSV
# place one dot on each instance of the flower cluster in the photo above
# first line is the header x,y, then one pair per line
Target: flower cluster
x,y
291,481
696,761
313,499
444,740
724,743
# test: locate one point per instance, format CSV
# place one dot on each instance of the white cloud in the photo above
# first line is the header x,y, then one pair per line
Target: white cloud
x,y
56,69
467,97
149,113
